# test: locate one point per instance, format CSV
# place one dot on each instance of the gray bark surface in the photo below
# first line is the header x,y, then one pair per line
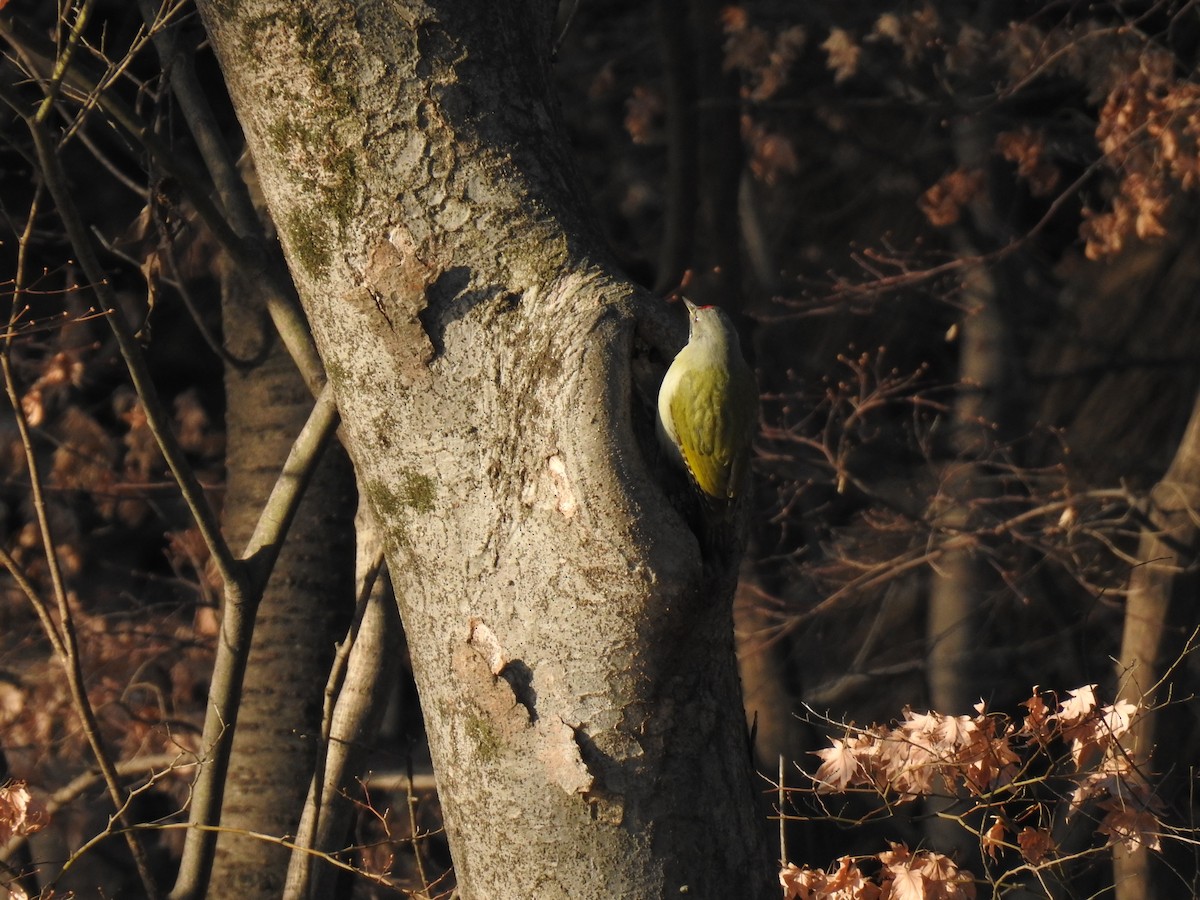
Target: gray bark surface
x,y
575,664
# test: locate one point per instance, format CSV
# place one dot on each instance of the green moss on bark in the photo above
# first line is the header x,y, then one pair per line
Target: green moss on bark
x,y
321,161
487,743
414,493
309,238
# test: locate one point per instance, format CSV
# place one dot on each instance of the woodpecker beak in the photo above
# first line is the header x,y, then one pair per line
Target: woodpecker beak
x,y
691,307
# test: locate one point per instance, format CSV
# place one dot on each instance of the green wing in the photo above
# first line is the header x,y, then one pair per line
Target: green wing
x,y
714,421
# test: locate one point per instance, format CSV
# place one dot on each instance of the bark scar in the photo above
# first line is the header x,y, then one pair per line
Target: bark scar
x,y
515,672
486,644
397,279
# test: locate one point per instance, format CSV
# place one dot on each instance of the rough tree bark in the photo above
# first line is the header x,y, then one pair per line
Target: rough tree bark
x,y
574,658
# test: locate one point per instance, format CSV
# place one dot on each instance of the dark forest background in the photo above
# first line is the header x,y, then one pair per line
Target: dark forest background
x,y
960,241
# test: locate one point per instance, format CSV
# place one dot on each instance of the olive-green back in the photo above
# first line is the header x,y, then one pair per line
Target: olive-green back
x,y
715,410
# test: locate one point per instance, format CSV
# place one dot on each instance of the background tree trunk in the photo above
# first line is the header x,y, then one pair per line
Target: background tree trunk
x,y
574,661
962,577
305,606
356,700
700,241
1160,625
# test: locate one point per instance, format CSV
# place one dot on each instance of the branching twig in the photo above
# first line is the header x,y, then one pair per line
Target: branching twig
x,y
156,415
243,583
214,830
63,637
362,671
233,648
62,64
246,252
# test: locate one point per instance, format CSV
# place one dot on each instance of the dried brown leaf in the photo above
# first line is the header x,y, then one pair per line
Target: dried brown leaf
x,y
843,54
913,32
838,768
772,156
1131,827
942,203
1026,148
1036,844
992,840
20,812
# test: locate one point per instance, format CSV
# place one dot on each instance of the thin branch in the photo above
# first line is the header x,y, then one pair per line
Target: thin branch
x,y
248,253
62,63
215,830
157,417
233,648
329,767
177,63
35,600
72,790
63,638
9,563
870,260
267,539
411,801
113,70
243,579
213,342
98,154
361,677
242,582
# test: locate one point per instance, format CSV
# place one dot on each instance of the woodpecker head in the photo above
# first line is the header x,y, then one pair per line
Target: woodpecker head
x,y
707,323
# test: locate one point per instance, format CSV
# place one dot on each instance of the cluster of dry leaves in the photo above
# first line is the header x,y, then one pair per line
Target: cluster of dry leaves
x,y
1146,138
763,62
101,463
904,875
986,756
1147,131
20,815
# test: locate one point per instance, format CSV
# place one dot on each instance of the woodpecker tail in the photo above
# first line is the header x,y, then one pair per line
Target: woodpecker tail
x,y
721,526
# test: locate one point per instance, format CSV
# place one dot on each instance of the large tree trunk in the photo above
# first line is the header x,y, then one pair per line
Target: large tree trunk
x,y
574,658
305,606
